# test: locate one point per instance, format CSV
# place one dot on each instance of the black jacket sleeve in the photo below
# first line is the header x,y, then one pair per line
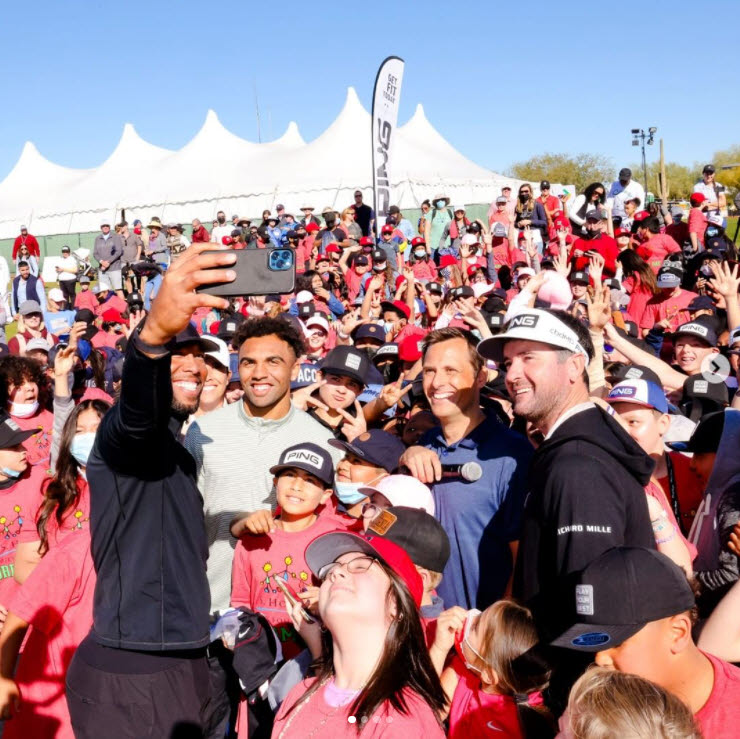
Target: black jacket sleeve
x,y
134,434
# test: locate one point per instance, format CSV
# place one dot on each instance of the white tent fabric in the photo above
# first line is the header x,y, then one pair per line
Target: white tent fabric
x,y
218,170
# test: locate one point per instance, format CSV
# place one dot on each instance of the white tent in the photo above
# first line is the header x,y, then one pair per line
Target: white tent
x,y
218,170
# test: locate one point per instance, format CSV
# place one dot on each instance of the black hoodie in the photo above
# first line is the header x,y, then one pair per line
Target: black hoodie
x,y
586,496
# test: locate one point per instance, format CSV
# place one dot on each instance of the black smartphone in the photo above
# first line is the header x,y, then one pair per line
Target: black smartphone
x,y
258,272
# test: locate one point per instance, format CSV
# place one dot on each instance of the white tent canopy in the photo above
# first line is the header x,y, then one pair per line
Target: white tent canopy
x,y
218,170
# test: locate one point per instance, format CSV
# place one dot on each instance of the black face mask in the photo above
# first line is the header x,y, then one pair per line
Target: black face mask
x,y
524,197
391,372
330,222
369,351
593,234
222,220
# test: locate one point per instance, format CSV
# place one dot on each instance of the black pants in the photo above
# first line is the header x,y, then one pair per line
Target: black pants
x,y
167,705
69,290
219,718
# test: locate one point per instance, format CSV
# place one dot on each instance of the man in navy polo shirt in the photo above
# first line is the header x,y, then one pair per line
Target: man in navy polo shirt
x,y
483,517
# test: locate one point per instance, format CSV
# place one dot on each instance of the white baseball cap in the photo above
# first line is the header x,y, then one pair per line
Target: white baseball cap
x,y
304,296
319,321
533,324
56,295
403,490
221,355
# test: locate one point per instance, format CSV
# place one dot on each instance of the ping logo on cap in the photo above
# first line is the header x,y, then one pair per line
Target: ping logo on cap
x,y
303,455
694,328
701,386
592,639
352,361
525,320
623,392
585,600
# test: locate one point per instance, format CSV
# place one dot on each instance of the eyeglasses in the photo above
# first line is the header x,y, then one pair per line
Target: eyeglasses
x,y
354,566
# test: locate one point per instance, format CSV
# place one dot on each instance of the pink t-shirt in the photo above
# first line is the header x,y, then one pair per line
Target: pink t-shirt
x,y
260,560
474,713
697,224
673,307
18,507
387,722
103,338
87,300
75,520
719,717
656,249
57,600
38,446
425,270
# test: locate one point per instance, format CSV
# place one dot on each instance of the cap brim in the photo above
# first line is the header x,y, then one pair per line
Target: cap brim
x,y
280,467
679,446
632,401
676,335
326,548
20,436
205,344
595,637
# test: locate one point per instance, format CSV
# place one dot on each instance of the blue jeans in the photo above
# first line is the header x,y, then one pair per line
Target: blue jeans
x,y
152,286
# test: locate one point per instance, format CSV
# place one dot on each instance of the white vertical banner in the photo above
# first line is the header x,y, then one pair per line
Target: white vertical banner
x,y
386,98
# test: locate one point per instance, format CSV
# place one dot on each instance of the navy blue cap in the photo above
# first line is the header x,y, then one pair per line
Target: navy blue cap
x,y
369,331
190,335
234,367
308,457
701,302
375,446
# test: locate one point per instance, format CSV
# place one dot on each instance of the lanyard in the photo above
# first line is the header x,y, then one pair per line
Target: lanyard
x,y
674,494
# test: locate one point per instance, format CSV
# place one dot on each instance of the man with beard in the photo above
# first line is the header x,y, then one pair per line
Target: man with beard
x,y
234,448
144,658
587,477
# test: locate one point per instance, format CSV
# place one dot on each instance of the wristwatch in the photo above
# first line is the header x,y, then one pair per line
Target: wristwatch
x,y
161,350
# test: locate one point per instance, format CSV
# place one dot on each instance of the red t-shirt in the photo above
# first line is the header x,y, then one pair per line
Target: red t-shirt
x,y
103,339
410,330
672,306
679,232
474,713
87,300
697,224
504,254
656,249
258,560
38,446
57,600
386,723
719,717
604,245
114,302
353,282
640,296
689,488
425,270
18,506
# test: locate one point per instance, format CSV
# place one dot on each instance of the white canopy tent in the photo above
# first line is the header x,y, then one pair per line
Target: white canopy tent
x,y
219,170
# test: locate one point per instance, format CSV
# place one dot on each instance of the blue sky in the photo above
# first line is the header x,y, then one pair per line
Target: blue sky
x,y
500,83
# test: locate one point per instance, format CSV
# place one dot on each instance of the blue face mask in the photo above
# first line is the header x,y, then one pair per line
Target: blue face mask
x,y
81,447
388,326
348,492
10,473
440,204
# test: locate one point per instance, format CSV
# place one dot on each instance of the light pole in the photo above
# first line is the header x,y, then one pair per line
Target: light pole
x,y
639,139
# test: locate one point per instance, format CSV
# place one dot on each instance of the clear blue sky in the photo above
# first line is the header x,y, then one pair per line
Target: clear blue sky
x,y
500,83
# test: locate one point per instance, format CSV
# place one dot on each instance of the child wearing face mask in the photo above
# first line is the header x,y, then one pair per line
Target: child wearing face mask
x,y
21,382
423,267
370,457
495,679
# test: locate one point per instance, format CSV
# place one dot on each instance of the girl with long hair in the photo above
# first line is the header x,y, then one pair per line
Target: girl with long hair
x,y
592,197
496,676
374,673
530,212
639,282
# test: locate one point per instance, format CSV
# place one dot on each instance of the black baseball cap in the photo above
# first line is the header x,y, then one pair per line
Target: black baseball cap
x,y
701,397
348,362
385,352
379,255
579,276
375,446
11,434
415,531
361,260
702,328
228,326
544,185
708,169
308,457
306,310
631,329
369,331
637,372
464,291
625,173
434,287
706,435
495,322
190,335
85,315
473,228
135,299
620,592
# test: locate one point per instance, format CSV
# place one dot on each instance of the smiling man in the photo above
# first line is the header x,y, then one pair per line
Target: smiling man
x,y
234,448
482,517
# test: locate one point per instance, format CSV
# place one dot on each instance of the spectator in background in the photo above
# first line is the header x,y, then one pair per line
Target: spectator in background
x,y
309,217
594,196
622,189
86,298
364,215
57,318
438,220
595,241
222,229
549,202
697,221
529,212
421,224
715,199
401,223
657,246
25,256
200,235
108,251
66,270
133,247
26,287
678,229
27,240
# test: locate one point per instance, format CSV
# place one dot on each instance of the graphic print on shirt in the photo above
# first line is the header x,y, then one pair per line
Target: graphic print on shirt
x,y
268,585
11,523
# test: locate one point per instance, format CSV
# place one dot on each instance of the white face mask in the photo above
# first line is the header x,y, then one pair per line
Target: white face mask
x,y
23,410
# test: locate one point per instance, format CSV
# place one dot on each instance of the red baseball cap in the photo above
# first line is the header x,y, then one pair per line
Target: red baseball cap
x,y
696,198
641,215
387,229
409,349
399,281
474,268
312,227
397,305
333,249
621,232
418,241
367,241
113,316
227,241
325,549
448,260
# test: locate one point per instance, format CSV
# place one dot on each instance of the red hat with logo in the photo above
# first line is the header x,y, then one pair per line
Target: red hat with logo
x,y
448,260
227,241
418,241
641,215
399,281
367,241
312,228
333,249
622,232
325,549
387,229
113,316
409,349
398,306
696,198
473,268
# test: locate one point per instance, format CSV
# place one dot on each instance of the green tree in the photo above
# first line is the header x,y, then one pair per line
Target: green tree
x,y
579,169
681,179
728,177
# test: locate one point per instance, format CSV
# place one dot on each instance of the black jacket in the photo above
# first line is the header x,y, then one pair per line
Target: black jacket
x,y
148,532
586,496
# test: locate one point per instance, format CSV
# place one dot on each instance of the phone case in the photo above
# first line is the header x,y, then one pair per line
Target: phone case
x,y
255,275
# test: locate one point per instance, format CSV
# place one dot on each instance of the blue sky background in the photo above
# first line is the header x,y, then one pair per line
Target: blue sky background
x,y
500,83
